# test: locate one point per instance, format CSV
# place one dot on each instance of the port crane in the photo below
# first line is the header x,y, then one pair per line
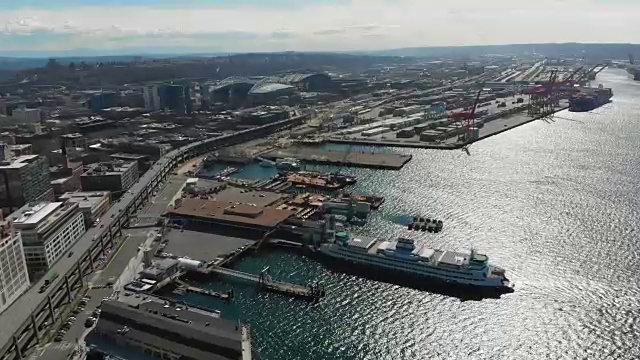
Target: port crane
x,y
541,97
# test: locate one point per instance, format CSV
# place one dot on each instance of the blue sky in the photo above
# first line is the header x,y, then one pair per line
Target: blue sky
x,y
313,25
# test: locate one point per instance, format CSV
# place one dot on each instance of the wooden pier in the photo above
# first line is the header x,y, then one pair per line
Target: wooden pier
x,y
197,290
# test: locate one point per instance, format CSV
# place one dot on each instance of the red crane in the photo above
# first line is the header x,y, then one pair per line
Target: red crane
x,y
570,77
468,115
540,89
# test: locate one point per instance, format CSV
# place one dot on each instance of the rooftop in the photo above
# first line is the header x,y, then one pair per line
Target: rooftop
x,y
41,216
86,199
35,214
108,168
186,332
230,212
160,266
19,162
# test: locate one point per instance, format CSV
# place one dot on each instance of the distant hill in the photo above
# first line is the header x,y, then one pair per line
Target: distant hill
x,y
589,51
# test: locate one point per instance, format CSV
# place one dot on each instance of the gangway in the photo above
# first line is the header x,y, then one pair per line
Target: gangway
x,y
264,281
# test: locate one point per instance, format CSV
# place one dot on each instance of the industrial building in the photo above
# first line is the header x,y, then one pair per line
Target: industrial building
x,y
92,204
23,179
170,331
48,230
14,277
114,176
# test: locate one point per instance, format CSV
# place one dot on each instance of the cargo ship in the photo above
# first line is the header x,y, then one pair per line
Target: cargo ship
x,y
408,258
588,99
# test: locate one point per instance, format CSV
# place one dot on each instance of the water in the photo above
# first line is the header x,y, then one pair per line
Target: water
x,y
555,203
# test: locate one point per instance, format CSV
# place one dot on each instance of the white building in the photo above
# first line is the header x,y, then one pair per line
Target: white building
x,y
151,97
27,116
48,231
14,278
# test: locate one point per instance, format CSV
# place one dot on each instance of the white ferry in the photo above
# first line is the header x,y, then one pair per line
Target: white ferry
x,y
418,260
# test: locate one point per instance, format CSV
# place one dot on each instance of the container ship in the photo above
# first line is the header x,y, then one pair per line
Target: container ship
x,y
589,99
410,259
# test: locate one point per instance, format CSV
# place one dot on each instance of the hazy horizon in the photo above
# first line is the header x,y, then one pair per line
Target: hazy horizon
x,y
147,26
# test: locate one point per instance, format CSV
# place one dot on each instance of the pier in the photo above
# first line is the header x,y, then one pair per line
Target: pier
x,y
264,281
197,290
388,161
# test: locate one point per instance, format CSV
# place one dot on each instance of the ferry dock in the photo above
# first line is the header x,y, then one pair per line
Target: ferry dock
x,y
265,282
183,286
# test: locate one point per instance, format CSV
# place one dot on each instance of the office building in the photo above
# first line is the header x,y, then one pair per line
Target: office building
x,y
48,230
142,160
151,98
73,141
114,176
173,331
102,100
5,152
14,277
92,204
26,116
66,177
176,98
24,179
21,149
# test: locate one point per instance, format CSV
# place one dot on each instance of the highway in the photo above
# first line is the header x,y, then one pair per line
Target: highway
x,y
15,320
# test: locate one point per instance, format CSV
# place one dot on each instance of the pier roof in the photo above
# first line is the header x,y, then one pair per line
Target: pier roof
x,y
231,213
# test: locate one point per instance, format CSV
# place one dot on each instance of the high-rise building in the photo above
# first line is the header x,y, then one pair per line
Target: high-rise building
x,y
14,278
102,100
151,97
48,230
174,97
24,179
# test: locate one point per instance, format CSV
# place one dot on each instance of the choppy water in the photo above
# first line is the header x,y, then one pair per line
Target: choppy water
x,y
555,203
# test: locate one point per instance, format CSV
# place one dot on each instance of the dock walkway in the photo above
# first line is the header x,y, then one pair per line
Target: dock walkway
x,y
265,282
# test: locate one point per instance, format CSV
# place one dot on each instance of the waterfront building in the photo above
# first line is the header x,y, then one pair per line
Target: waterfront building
x,y
48,230
247,219
159,270
114,176
24,179
171,331
92,204
14,277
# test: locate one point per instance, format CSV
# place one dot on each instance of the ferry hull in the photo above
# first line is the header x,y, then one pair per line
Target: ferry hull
x,y
412,280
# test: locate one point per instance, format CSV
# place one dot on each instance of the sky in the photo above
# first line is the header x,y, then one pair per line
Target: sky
x,y
306,25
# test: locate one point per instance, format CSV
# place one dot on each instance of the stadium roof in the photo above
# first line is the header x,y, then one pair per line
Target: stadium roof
x,y
268,88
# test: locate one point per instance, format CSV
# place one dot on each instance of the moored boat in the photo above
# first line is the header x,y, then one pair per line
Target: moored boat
x,y
412,259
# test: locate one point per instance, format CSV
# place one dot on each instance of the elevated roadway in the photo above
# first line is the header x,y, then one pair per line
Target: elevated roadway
x,y
20,322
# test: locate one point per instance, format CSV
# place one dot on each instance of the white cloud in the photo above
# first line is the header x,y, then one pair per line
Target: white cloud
x,y
358,24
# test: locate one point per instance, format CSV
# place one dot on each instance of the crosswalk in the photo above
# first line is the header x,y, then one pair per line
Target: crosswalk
x,y
54,346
